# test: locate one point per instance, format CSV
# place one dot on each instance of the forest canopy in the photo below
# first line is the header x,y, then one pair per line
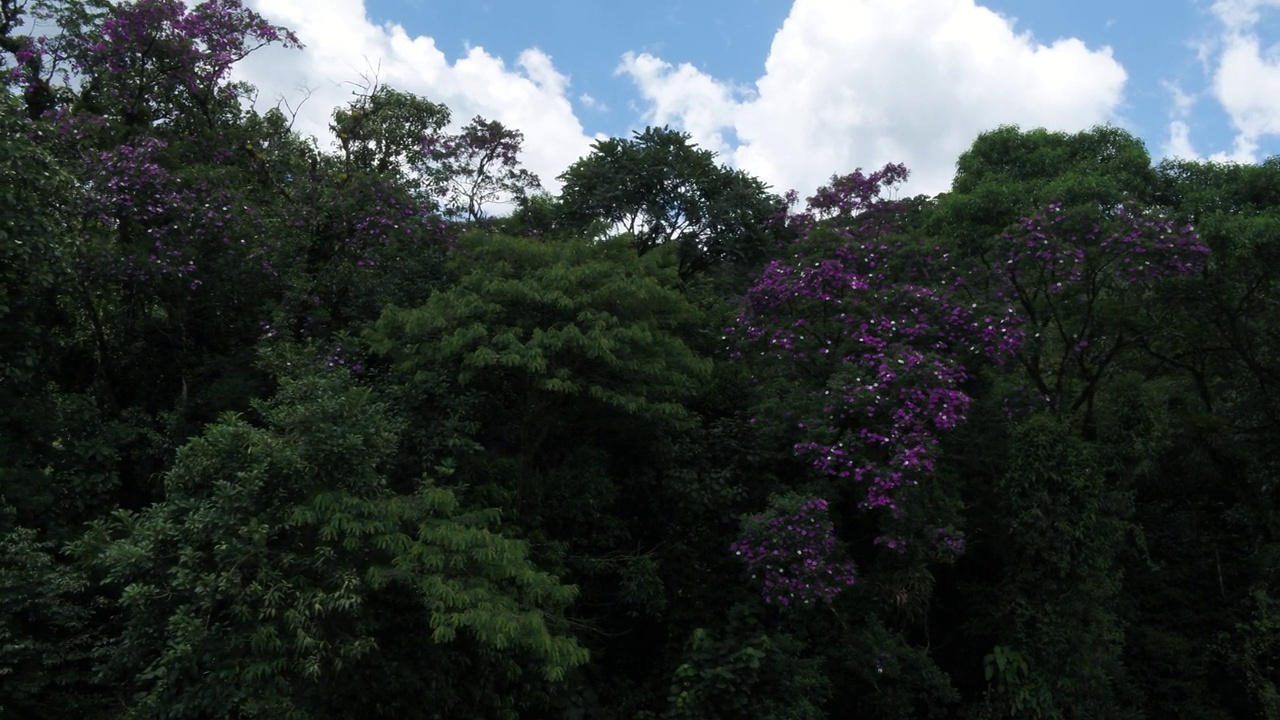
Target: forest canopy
x,y
299,432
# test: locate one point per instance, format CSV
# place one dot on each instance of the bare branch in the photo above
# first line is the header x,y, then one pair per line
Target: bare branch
x,y
293,112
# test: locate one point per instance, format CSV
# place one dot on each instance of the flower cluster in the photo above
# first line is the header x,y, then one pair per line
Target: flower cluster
x,y
149,52
341,358
791,550
1043,251
949,541
1153,248
892,352
853,299
166,224
28,73
880,327
194,48
385,218
1061,267
856,202
880,428
128,190
855,198
66,130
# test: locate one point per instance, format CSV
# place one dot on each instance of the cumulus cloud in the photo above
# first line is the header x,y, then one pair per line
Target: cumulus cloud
x,y
1246,80
343,45
684,96
1178,142
858,83
1178,145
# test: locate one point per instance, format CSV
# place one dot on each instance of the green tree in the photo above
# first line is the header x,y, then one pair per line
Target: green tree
x,y
47,631
551,377
1060,638
752,673
276,574
478,166
1010,173
383,132
1208,504
660,189
556,342
36,253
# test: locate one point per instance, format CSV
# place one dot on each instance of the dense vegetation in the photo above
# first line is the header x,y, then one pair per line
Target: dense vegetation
x,y
288,432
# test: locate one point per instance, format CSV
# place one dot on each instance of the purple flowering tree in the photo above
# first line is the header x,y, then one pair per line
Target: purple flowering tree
x,y
388,132
143,73
883,347
145,62
477,166
792,550
1083,285
886,332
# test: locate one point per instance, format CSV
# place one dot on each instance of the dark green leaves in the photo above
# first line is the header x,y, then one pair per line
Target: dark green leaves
x,y
658,189
277,562
559,321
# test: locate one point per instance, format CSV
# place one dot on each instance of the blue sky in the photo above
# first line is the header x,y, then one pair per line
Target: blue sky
x,y
796,91
587,39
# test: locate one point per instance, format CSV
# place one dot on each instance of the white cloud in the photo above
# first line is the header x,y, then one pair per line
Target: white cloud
x,y
852,83
1178,145
684,96
342,44
1183,101
1247,78
591,103
1240,15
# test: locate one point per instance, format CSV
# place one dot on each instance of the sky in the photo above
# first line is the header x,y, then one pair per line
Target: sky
x,y
796,91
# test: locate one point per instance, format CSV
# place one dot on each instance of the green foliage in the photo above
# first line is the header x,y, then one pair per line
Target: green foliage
x,y
580,333
659,189
259,583
1010,173
382,131
47,633
1209,504
36,252
34,246
1060,634
1253,651
882,671
463,465
1007,671
746,675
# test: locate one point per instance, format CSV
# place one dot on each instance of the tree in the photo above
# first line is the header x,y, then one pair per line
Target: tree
x,y
478,166
36,255
551,378
1010,173
660,189
152,62
1209,505
869,354
383,133
1059,649
276,573
48,631
389,133
574,338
